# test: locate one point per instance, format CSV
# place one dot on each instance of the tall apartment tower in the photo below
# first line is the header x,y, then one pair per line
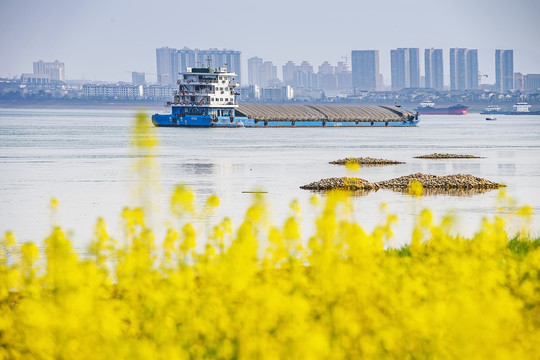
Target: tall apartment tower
x,y
268,74
405,68
414,67
434,73
171,62
186,58
138,78
221,58
463,69
504,70
167,66
288,72
254,70
55,70
365,69
261,73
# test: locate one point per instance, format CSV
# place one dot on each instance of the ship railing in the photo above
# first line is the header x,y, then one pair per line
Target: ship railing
x,y
196,82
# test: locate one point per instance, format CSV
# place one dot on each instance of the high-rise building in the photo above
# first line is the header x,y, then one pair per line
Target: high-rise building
x,y
326,77
434,74
405,68
399,62
457,68
504,70
531,81
55,70
519,81
288,72
167,66
303,76
365,69
463,69
254,70
472,70
414,67
171,62
138,78
221,58
344,76
261,73
186,58
268,74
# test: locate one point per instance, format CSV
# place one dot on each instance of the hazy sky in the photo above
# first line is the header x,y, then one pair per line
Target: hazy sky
x,y
106,39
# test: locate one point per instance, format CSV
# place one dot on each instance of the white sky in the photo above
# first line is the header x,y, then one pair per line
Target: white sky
x,y
105,40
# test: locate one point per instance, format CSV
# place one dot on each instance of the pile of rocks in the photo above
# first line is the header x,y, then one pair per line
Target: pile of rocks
x,y
447,156
365,161
343,183
457,181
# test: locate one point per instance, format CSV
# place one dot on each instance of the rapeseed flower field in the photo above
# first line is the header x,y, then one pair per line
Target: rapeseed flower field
x,y
265,291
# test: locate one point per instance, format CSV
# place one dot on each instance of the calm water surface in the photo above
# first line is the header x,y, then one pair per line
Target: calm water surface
x,y
83,158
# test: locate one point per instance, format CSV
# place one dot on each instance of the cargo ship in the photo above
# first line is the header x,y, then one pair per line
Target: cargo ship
x,y
428,108
520,108
206,97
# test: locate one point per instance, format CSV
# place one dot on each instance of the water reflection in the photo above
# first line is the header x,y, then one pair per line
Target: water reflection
x,y
426,192
506,169
466,167
197,168
352,193
451,192
437,167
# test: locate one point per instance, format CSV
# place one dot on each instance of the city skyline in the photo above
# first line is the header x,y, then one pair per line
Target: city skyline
x,y
364,75
107,40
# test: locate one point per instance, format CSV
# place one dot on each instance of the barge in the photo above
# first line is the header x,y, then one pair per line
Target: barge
x,y
206,97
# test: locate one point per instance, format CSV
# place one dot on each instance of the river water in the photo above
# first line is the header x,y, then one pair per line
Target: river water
x,y
84,159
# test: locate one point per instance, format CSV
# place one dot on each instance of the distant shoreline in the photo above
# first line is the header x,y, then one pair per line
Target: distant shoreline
x,y
80,104
153,105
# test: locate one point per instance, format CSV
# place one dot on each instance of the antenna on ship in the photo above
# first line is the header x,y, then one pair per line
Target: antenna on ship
x,y
209,60
225,66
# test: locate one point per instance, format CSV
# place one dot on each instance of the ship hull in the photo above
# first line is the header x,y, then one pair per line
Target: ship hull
x,y
442,112
201,121
512,113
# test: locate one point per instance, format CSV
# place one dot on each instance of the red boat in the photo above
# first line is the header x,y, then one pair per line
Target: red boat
x,y
428,108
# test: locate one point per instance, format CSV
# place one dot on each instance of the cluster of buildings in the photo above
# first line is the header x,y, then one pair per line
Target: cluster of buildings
x,y
45,73
464,73
363,74
170,62
361,80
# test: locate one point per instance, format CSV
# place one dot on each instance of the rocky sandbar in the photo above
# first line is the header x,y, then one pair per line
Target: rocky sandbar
x,y
428,181
365,161
342,183
447,156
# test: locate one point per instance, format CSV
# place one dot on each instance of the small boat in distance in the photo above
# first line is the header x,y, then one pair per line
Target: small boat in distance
x,y
491,118
492,109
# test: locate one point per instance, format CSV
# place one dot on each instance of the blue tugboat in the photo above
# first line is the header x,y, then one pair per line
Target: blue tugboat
x,y
206,97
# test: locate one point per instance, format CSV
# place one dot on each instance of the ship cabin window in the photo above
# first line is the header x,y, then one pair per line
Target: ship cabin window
x,y
221,78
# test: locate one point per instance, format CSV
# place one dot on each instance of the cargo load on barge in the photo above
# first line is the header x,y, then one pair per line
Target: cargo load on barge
x,y
206,97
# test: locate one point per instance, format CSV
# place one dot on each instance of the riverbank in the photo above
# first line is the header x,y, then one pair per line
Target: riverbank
x,y
79,104
26,103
